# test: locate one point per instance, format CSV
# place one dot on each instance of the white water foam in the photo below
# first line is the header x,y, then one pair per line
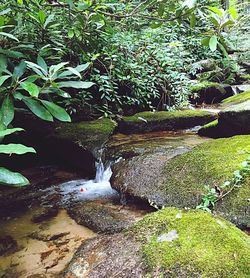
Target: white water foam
x,y
83,190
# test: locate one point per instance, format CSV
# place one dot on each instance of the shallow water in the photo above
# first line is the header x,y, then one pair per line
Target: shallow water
x,y
37,254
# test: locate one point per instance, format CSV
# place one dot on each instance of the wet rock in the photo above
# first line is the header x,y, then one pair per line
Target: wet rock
x,y
19,199
101,217
48,237
232,120
206,246
107,256
7,245
159,121
44,215
181,180
139,176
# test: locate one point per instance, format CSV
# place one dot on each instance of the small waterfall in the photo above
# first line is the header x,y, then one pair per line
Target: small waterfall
x,y
103,174
85,190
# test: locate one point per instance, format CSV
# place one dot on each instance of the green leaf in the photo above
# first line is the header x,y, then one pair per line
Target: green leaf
x,y
38,109
49,19
76,84
74,71
7,110
161,9
71,34
223,49
9,36
217,11
57,111
10,178
20,69
31,88
16,149
55,68
213,43
82,67
10,131
3,79
192,21
215,21
3,62
42,63
233,12
228,23
205,41
11,53
36,68
42,16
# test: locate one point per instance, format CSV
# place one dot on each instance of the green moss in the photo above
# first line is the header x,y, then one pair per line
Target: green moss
x,y
239,98
210,129
209,164
246,77
206,246
205,85
211,124
165,115
88,134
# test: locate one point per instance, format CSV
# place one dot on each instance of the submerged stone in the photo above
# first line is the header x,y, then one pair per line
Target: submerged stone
x,y
206,246
44,215
7,245
100,217
163,120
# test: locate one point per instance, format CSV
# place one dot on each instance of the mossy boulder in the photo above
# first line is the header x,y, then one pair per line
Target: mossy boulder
x,y
75,144
181,181
209,92
232,120
163,120
236,99
167,243
192,244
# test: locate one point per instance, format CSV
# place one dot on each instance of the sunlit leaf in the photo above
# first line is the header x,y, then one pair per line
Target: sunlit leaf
x,y
10,178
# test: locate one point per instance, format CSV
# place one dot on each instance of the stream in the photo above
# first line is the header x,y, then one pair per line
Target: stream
x,y
41,240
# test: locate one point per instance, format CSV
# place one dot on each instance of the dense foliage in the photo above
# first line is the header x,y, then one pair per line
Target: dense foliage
x,y
83,58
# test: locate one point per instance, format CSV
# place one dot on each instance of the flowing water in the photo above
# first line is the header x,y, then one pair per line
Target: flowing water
x,y
46,248
86,190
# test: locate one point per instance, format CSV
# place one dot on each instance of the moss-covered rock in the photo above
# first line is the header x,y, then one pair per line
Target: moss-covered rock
x,y
90,135
74,144
182,180
157,121
246,77
236,99
209,92
232,120
167,243
192,244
